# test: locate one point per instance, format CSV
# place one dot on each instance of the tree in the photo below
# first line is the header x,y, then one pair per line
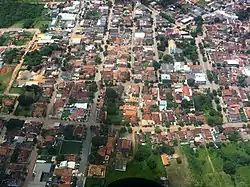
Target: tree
x,y
12,11
14,124
130,130
178,160
168,59
123,130
241,79
111,93
167,149
156,65
229,168
151,163
142,153
191,82
98,59
28,23
25,100
185,103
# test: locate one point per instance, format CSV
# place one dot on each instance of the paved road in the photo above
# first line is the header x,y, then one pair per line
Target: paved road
x,y
30,167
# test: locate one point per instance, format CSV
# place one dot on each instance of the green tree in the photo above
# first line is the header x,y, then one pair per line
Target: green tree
x,y
151,163
28,23
98,59
168,59
143,153
111,93
191,82
229,168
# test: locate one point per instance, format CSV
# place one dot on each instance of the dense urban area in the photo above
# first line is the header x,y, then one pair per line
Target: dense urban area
x,y
92,91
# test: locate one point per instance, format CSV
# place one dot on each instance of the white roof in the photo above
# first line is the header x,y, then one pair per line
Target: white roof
x,y
185,20
165,77
233,62
200,77
139,35
71,165
81,105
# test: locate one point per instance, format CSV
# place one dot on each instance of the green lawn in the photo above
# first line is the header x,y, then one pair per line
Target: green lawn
x,y
71,147
217,161
219,179
40,22
203,159
94,182
139,170
21,111
242,176
234,148
17,90
115,119
65,114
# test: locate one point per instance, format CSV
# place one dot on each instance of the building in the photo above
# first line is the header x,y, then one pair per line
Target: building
x,y
96,171
42,174
171,47
164,160
200,78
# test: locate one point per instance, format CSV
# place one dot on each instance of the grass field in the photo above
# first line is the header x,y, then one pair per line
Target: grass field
x,y
138,170
17,90
179,175
202,169
94,182
115,119
5,78
71,147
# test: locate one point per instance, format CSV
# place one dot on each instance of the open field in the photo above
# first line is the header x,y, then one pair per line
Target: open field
x,y
5,76
71,147
179,175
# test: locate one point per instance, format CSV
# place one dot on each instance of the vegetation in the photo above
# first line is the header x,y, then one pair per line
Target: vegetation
x,y
112,103
34,58
71,147
92,14
189,50
191,82
203,103
11,56
12,11
32,94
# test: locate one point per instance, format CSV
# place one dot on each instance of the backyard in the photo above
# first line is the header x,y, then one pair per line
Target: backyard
x,y
71,147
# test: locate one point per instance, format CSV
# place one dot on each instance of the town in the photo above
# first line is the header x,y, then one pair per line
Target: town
x,y
92,91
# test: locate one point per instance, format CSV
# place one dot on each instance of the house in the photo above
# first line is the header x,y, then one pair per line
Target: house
x,y
110,145
200,78
233,113
96,171
124,145
164,160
